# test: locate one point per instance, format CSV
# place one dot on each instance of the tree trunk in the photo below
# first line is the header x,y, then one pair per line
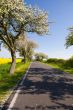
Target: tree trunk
x,y
12,68
24,55
24,59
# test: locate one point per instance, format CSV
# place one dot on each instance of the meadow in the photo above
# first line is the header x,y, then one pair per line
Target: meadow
x,y
7,82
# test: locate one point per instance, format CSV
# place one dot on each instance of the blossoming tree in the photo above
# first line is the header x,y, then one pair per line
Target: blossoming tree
x,y
16,18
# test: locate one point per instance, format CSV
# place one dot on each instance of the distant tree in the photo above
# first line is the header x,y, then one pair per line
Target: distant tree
x,y
26,48
17,18
21,45
69,39
31,45
40,56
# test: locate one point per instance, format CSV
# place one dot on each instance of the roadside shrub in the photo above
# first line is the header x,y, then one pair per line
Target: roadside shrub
x,y
65,64
68,63
56,61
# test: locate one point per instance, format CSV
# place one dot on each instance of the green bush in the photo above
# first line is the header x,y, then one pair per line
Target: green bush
x,y
55,60
68,63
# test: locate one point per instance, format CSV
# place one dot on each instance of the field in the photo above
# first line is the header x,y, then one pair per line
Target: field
x,y
7,82
8,60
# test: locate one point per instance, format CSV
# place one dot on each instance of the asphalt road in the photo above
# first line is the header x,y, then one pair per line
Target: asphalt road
x,y
44,88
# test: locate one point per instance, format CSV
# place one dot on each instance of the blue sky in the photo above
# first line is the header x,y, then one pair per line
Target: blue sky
x,y
61,13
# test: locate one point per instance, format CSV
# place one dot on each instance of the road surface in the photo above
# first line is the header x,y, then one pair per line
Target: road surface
x,y
44,88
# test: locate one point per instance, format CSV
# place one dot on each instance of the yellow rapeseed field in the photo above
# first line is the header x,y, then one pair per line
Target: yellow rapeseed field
x,y
7,60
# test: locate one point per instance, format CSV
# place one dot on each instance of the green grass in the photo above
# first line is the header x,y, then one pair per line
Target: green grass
x,y
58,66
7,82
53,65
69,70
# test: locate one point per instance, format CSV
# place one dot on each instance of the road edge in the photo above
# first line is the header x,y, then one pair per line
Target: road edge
x,y
18,90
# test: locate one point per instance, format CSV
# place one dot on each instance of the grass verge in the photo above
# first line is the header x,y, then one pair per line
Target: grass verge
x,y
54,65
7,82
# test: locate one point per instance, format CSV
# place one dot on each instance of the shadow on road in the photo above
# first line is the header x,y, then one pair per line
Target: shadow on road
x,y
51,81
57,85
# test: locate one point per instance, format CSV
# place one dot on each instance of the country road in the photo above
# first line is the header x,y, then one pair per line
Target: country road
x,y
44,88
